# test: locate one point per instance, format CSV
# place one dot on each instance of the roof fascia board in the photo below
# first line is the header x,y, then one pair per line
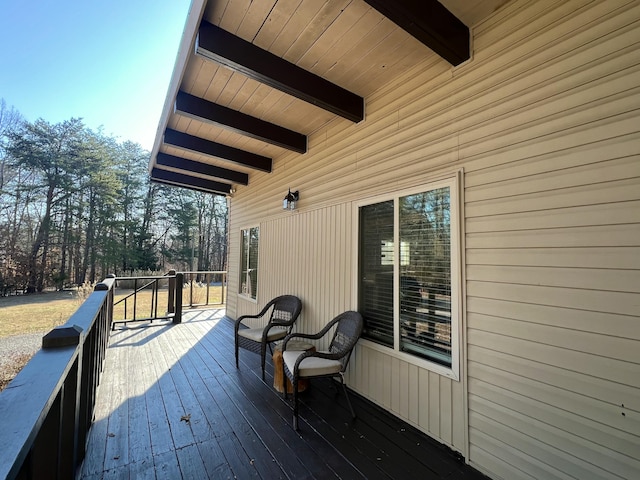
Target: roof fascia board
x,y
196,11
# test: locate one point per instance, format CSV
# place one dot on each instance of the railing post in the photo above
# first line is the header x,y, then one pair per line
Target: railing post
x,y
224,286
66,422
177,318
172,292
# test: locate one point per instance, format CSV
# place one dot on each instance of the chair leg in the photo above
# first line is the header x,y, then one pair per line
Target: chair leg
x,y
346,394
295,403
237,364
284,381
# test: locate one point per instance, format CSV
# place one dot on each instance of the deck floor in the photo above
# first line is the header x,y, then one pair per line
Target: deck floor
x,y
172,405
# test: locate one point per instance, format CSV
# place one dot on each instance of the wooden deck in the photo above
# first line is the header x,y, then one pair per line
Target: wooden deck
x,y
173,405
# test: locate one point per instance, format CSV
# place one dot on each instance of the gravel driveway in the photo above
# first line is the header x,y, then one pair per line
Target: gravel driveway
x,y
15,345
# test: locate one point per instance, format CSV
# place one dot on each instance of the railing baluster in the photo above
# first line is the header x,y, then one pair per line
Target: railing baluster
x,y
135,298
208,282
172,292
177,318
191,289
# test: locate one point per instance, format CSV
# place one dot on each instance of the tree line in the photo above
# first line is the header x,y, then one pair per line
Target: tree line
x,y
76,205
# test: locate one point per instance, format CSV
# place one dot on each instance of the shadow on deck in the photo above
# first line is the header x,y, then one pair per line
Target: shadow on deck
x,y
173,405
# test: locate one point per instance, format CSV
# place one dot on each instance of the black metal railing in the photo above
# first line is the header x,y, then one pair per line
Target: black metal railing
x,y
144,300
152,298
204,288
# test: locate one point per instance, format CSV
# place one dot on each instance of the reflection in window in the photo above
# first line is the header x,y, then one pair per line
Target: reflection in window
x,y
249,262
417,320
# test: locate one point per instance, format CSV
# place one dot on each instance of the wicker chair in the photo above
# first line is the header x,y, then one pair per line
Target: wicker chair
x,y
331,363
285,312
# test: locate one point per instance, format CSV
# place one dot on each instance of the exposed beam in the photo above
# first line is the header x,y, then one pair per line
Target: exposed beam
x,y
214,149
189,187
202,168
187,181
233,52
205,111
431,23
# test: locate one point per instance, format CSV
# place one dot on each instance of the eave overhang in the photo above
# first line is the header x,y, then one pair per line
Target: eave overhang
x,y
254,78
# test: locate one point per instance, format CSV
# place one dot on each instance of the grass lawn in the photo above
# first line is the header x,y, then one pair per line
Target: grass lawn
x,y
36,312
39,313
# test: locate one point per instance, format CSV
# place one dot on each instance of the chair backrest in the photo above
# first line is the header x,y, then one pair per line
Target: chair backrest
x,y
286,310
346,335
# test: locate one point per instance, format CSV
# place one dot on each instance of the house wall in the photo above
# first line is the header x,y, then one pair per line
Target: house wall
x,y
545,123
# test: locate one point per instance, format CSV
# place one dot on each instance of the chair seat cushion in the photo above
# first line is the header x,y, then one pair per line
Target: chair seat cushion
x,y
255,334
311,366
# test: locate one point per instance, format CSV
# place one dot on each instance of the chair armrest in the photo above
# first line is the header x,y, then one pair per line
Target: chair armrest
x,y
313,336
257,315
298,335
239,320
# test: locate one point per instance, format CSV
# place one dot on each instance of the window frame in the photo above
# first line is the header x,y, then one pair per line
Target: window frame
x,y
454,182
242,294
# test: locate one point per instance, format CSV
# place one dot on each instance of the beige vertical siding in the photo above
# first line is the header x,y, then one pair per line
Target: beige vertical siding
x,y
308,255
553,259
545,122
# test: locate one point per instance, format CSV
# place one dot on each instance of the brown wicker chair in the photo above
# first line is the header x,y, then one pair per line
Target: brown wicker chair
x,y
284,313
331,363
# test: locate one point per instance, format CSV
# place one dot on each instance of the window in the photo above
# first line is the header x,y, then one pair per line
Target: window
x,y
408,274
249,262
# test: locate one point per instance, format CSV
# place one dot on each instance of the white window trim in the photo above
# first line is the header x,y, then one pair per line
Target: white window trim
x,y
241,295
454,182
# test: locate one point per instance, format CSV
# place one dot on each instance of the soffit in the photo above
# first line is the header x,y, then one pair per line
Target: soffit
x,y
346,42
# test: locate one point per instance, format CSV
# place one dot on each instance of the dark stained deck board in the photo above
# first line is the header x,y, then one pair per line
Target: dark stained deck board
x,y
158,376
274,415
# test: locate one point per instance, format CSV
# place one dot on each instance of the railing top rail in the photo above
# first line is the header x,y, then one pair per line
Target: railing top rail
x,y
87,312
106,284
153,279
206,271
146,277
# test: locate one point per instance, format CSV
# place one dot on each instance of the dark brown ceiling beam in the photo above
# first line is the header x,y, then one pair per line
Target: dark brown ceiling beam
x,y
205,111
431,23
214,149
188,181
189,187
185,164
237,54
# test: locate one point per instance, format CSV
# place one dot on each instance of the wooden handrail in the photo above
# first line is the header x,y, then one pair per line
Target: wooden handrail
x,y
47,410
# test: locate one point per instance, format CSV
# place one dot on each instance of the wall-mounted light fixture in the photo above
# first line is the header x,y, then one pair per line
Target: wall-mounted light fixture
x,y
289,202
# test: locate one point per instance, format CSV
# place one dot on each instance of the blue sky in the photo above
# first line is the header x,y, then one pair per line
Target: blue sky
x,y
106,61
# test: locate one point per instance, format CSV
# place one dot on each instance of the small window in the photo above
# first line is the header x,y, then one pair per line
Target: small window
x,y
249,262
408,274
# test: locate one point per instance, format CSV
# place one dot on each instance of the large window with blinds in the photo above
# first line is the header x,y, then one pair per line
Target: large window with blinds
x,y
408,273
249,262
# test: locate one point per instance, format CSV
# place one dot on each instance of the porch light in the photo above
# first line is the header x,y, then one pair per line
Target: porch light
x,y
289,202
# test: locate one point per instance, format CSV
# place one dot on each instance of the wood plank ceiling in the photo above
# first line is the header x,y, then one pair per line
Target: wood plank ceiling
x,y
255,78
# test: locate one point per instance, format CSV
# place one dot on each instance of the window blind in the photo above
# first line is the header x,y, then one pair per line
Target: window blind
x,y
376,262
